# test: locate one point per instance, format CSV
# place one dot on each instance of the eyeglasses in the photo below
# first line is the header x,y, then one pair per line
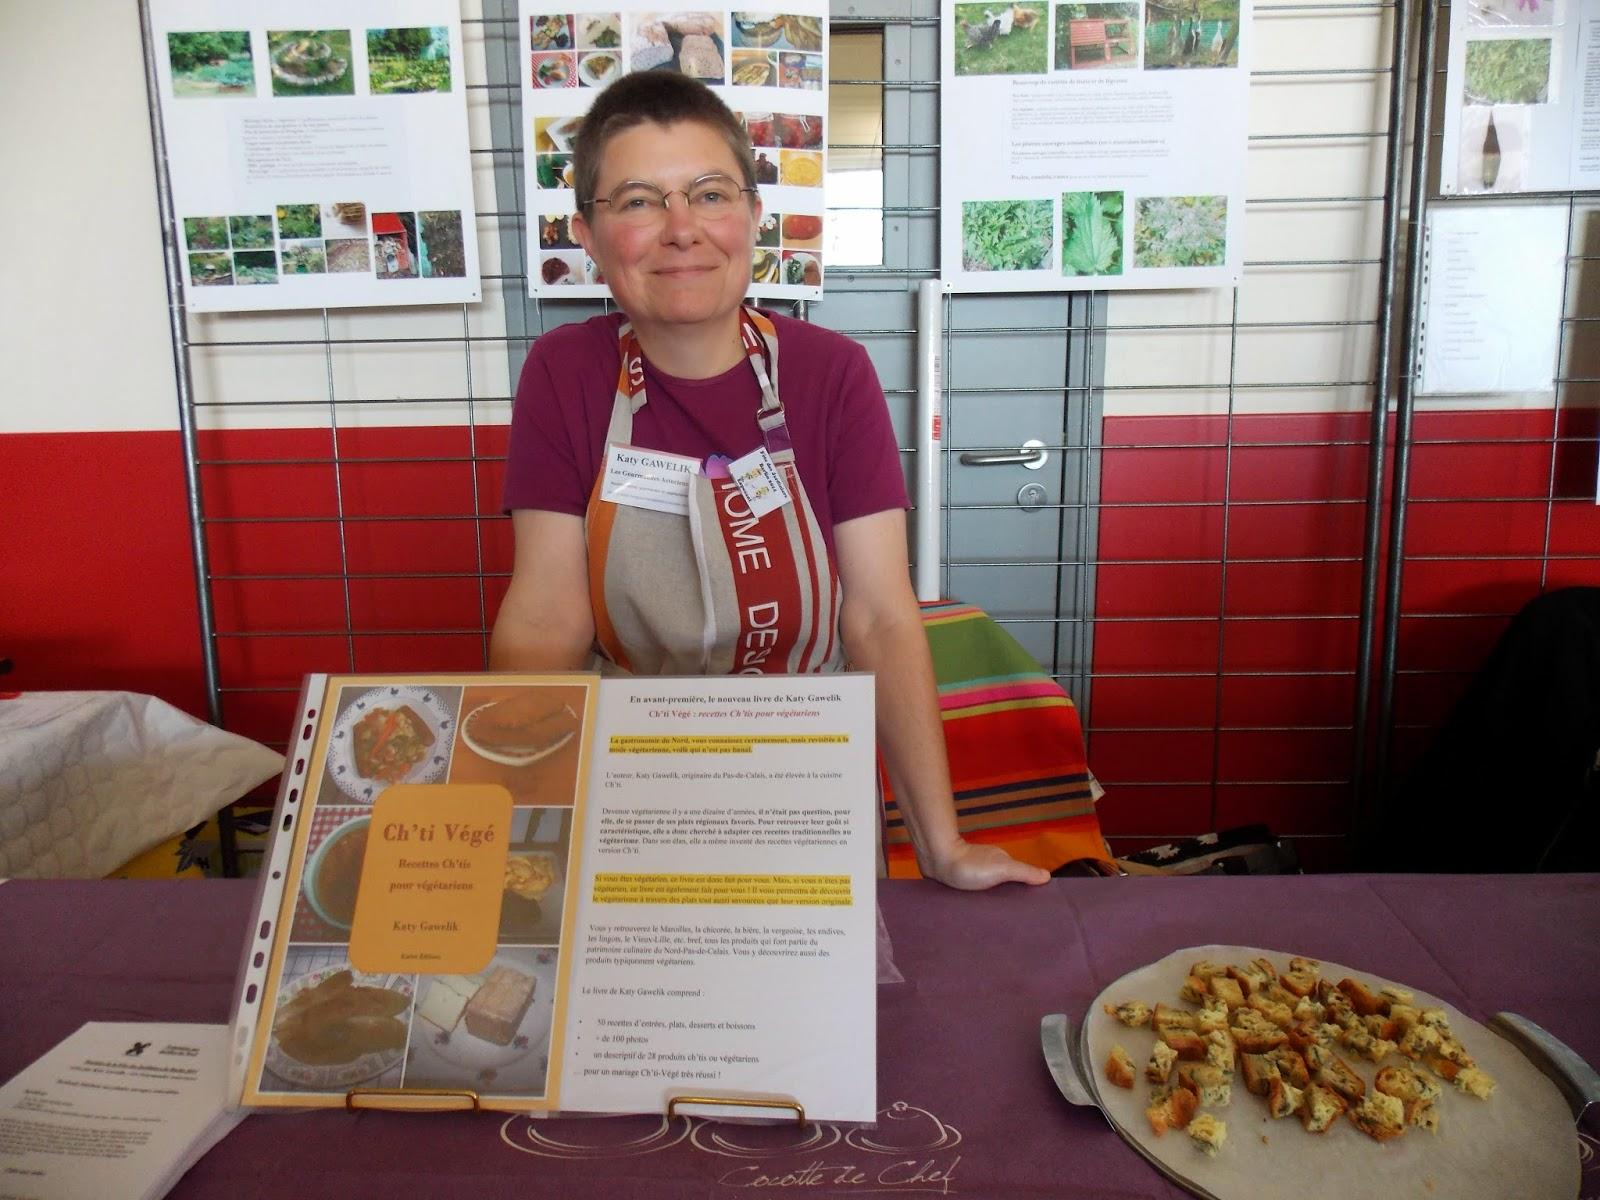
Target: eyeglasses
x,y
710,198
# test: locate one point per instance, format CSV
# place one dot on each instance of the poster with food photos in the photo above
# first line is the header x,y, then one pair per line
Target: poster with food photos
x,y
317,151
768,65
1522,97
1102,144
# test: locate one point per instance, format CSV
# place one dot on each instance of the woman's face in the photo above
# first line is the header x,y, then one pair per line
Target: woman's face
x,y
681,271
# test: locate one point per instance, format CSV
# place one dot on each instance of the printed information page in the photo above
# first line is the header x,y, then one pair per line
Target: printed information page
x,y
726,903
117,1109
1494,298
1102,144
318,152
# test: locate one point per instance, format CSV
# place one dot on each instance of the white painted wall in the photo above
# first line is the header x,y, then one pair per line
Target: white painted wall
x,y
83,314
83,319
83,302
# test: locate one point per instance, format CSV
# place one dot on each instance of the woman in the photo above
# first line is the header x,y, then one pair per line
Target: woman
x,y
646,449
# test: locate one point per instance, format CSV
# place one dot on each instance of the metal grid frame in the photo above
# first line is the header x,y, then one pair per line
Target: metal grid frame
x,y
1574,389
911,212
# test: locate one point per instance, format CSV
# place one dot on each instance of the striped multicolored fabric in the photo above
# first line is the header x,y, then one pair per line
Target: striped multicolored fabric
x,y
1017,761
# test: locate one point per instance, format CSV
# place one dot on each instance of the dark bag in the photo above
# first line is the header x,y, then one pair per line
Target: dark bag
x,y
1509,783
1247,850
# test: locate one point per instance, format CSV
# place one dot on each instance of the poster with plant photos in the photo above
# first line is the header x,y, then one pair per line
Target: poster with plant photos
x,y
1522,97
1102,144
768,64
317,151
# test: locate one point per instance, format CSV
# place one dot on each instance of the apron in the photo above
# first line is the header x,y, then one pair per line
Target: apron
x,y
722,592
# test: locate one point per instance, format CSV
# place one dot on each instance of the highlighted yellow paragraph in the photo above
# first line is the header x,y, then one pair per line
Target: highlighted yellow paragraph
x,y
716,743
615,887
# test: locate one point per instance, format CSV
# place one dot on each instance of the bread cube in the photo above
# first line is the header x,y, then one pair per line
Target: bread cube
x,y
1320,1108
1283,1099
1379,1117
1162,1056
1213,1087
1208,1133
1133,1013
1119,1068
1174,1112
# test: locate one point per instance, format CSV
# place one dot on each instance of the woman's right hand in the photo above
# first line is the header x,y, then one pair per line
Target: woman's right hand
x,y
973,867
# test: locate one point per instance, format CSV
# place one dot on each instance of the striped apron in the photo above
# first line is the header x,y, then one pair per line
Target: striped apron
x,y
722,592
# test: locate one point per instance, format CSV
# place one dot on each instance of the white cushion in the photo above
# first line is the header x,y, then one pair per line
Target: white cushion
x,y
88,780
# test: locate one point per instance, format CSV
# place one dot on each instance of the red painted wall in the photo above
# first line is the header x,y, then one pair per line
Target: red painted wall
x,y
96,583
1225,640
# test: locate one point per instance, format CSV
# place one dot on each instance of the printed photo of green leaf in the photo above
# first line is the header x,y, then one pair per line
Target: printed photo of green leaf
x,y
1181,231
212,63
1005,235
206,233
1091,233
1513,71
251,233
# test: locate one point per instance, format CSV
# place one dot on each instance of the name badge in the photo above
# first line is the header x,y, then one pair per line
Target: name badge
x,y
648,479
760,481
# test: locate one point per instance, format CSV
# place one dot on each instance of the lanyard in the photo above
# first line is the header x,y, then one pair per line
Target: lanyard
x,y
759,342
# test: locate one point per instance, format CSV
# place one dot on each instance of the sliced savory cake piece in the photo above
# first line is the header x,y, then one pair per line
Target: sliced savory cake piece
x,y
497,1008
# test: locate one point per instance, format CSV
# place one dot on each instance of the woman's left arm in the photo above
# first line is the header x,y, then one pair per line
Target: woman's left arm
x,y
882,632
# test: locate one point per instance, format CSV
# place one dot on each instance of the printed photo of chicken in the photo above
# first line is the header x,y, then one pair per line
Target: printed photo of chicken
x,y
1002,39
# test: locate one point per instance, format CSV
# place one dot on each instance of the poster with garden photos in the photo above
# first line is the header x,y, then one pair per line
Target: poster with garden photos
x,y
318,152
1522,97
769,64
1102,144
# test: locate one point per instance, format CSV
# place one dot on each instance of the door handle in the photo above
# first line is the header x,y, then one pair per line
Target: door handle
x,y
1031,455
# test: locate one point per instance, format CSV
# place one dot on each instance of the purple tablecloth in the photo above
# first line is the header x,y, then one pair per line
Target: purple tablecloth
x,y
969,1109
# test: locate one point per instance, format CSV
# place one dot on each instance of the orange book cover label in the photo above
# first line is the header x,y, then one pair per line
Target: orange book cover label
x,y
432,879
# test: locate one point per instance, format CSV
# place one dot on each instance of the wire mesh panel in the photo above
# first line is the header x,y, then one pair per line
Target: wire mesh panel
x,y
1234,460
1498,500
1188,562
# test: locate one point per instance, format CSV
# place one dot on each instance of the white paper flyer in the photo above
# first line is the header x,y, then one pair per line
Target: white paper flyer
x,y
1093,145
1522,97
1494,290
318,152
769,66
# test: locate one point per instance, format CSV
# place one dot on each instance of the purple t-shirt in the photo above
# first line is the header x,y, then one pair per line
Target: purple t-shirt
x,y
844,444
